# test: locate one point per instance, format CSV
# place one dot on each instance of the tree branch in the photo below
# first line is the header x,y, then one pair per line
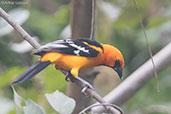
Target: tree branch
x,y
97,97
36,45
138,79
19,29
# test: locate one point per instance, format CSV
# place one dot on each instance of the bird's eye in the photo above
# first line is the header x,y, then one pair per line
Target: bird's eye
x,y
117,63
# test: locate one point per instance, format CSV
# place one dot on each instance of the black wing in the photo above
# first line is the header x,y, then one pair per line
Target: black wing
x,y
72,47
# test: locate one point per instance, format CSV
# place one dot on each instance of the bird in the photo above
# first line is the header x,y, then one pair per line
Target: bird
x,y
72,56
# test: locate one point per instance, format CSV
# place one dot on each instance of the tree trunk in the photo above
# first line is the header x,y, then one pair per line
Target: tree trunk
x,y
81,16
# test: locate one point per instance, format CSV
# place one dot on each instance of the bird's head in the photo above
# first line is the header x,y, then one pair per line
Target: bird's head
x,y
113,58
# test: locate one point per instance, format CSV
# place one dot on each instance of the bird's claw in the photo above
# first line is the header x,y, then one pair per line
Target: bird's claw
x,y
84,83
83,91
67,77
86,86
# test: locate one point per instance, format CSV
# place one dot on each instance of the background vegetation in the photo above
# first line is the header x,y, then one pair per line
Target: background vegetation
x,y
116,23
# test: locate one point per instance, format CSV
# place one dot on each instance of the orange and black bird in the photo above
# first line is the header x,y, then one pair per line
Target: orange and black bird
x,y
73,56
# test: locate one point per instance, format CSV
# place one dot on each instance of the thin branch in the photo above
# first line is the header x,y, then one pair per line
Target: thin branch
x,y
97,97
129,87
36,45
148,44
19,29
93,20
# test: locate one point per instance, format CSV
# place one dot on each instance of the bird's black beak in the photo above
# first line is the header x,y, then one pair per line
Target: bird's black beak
x,y
117,68
119,71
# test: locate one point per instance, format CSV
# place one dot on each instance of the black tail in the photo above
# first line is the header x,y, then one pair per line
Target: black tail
x,y
31,71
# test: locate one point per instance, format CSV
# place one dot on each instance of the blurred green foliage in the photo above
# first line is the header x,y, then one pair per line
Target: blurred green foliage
x,y
6,77
124,32
149,95
7,56
48,27
53,80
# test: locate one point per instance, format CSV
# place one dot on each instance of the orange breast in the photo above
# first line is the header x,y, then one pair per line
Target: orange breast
x,y
67,62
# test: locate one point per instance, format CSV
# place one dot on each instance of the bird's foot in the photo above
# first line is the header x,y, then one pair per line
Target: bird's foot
x,y
80,81
85,85
67,77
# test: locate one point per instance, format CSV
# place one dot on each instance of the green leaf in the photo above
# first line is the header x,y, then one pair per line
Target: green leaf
x,y
26,106
32,108
60,102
